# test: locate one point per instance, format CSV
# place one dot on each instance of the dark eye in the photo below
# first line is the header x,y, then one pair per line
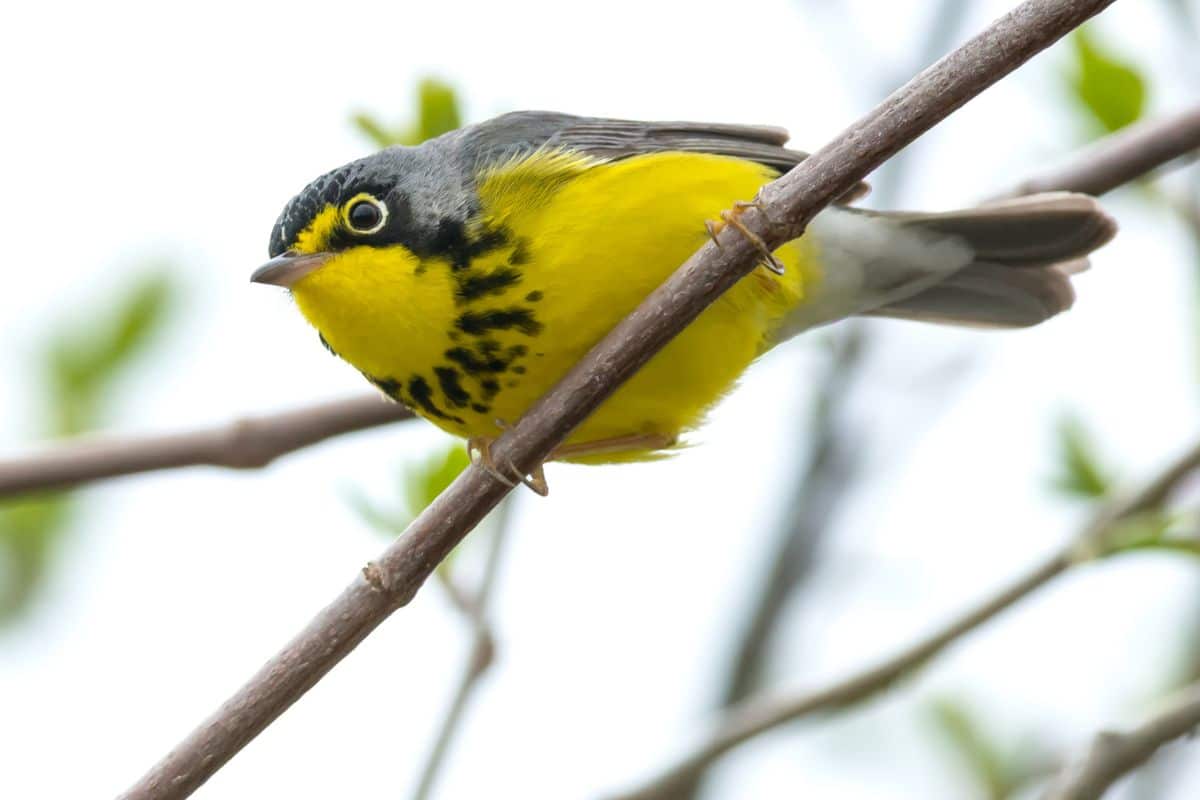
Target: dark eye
x,y
365,214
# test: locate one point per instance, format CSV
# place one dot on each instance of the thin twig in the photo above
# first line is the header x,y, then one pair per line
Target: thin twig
x,y
787,206
480,655
1127,155
758,715
1114,755
247,443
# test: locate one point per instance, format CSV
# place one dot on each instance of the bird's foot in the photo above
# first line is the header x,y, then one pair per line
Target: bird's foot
x,y
479,450
732,217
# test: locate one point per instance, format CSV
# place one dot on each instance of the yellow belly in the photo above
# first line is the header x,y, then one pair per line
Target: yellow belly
x,y
577,255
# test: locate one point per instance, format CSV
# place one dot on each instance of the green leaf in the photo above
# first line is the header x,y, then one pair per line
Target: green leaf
x,y
1138,532
983,758
137,320
29,530
419,486
379,134
85,358
426,482
437,113
1159,531
437,110
1081,473
1111,91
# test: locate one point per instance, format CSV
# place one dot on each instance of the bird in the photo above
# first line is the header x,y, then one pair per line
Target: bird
x,y
465,275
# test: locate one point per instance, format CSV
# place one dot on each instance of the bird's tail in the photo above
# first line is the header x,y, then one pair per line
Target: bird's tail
x,y
1006,264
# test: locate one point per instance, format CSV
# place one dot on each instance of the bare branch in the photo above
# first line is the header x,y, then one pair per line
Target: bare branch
x,y
758,715
1124,156
247,443
1114,755
480,656
789,203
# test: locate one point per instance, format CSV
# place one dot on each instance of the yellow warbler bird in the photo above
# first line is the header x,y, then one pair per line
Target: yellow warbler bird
x,y
464,276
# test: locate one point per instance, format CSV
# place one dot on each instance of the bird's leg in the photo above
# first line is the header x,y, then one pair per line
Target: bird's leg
x,y
714,227
479,450
733,217
612,445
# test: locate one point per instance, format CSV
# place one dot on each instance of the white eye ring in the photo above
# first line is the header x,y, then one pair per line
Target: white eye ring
x,y
368,199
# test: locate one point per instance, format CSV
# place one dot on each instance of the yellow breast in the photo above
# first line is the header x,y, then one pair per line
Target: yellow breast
x,y
564,248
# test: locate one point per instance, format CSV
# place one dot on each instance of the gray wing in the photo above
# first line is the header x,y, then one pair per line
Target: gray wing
x,y
513,134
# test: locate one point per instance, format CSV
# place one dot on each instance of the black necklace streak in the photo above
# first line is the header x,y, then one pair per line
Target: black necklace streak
x,y
477,323
472,286
487,357
451,242
448,380
422,395
480,360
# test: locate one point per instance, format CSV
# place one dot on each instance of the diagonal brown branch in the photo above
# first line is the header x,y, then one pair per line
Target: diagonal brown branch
x,y
1114,755
246,443
788,205
758,715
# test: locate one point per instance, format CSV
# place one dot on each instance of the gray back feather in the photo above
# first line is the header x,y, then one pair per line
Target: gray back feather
x,y
520,132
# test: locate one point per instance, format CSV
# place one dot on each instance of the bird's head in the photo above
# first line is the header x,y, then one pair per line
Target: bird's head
x,y
359,205
355,248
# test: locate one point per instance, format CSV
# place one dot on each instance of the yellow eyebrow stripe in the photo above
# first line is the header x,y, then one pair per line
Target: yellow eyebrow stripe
x,y
316,237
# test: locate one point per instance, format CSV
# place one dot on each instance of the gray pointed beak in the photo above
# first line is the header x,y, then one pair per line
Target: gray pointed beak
x,y
285,270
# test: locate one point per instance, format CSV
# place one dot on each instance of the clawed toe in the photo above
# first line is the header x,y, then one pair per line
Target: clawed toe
x,y
733,217
479,451
770,260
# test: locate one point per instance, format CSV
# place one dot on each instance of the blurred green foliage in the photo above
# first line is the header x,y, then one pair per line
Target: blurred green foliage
x,y
1081,473
1109,90
437,113
999,772
81,366
85,358
438,472
419,485
1155,530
